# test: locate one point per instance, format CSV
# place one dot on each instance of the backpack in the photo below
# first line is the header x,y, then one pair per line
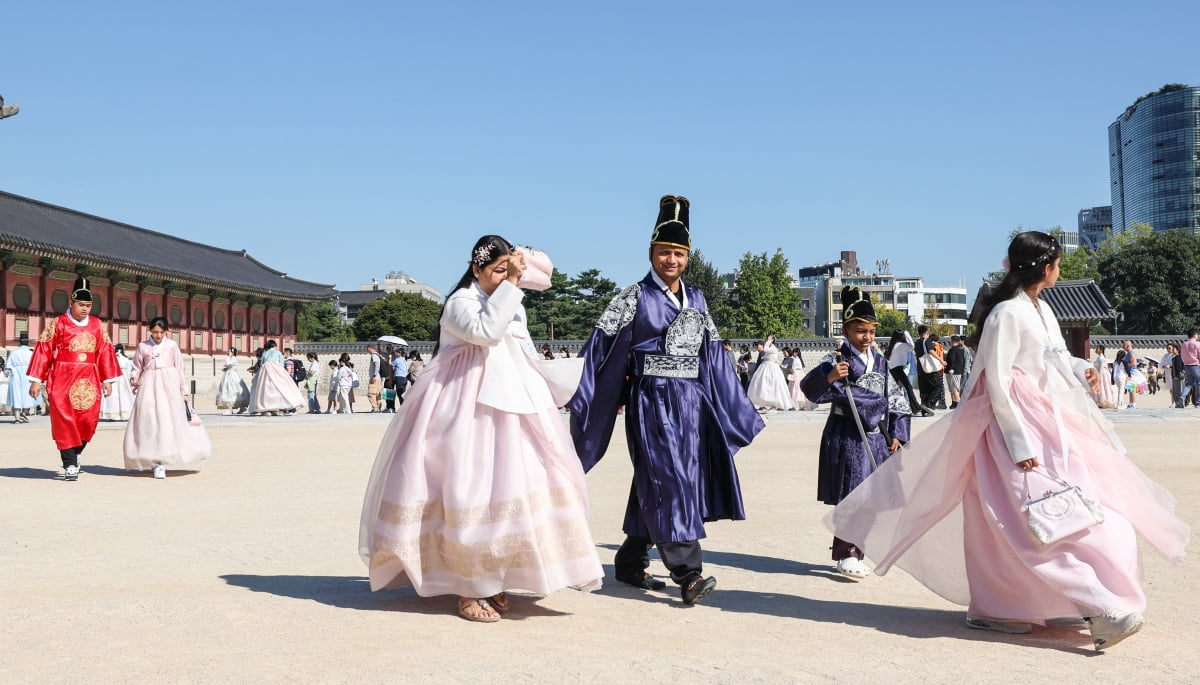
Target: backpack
x,y
299,373
385,368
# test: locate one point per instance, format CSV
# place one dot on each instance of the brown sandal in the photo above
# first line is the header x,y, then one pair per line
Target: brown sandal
x,y
478,610
499,602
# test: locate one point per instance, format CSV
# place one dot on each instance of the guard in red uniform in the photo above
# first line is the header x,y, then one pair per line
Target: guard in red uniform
x,y
74,358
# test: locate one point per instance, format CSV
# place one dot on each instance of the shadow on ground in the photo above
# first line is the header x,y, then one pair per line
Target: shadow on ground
x,y
354,592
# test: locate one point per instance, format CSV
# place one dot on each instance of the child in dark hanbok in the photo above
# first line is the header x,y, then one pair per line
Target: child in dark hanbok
x,y
851,448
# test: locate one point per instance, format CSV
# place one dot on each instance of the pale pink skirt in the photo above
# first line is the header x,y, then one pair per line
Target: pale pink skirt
x,y
158,431
274,390
947,509
468,500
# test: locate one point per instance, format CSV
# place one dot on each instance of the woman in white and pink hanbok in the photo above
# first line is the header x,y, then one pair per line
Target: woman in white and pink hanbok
x,y
948,507
477,488
161,430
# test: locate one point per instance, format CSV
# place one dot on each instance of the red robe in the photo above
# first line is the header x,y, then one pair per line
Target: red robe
x,y
71,360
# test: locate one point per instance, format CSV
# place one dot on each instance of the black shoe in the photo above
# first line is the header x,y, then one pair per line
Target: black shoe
x,y
697,589
644,581
924,411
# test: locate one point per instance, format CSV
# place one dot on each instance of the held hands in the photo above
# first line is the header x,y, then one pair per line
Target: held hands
x,y
1093,379
840,370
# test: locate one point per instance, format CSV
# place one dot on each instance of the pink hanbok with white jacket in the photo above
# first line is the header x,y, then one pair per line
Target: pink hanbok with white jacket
x,y
158,430
477,488
948,507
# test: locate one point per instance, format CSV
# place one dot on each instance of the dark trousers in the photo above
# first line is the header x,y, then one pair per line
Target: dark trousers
x,y
70,457
681,558
845,550
902,379
930,385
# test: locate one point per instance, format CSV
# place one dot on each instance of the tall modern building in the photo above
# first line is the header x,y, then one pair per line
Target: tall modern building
x,y
1095,226
1154,161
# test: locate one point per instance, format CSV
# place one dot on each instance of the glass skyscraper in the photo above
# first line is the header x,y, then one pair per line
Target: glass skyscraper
x,y
1154,161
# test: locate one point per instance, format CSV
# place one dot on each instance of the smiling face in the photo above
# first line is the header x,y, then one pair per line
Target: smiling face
x,y
668,261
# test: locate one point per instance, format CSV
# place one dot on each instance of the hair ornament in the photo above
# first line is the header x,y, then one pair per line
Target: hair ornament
x,y
483,255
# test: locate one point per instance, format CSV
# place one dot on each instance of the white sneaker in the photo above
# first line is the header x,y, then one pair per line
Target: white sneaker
x,y
72,473
227,412
160,471
852,567
1111,628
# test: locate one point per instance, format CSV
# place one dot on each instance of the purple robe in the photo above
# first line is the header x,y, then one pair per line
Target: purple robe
x,y
686,414
885,414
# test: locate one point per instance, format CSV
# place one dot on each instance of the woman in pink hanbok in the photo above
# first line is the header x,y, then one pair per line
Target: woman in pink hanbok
x,y
477,488
948,507
161,431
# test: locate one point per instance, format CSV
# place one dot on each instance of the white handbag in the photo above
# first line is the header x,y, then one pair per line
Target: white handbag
x,y
929,363
1060,513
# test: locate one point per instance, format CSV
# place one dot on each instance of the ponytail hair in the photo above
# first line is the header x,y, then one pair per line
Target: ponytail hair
x,y
1027,254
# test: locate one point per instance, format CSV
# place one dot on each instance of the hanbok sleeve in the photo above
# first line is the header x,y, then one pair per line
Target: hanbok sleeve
x,y
997,355
816,385
139,361
602,385
483,322
738,419
42,361
106,360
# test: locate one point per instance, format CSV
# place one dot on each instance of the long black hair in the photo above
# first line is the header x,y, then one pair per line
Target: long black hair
x,y
486,250
1027,254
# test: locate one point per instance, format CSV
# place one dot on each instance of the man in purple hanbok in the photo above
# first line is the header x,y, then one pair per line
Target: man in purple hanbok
x,y
656,351
883,412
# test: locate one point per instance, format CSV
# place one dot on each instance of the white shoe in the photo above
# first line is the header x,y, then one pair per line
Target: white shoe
x,y
227,412
72,473
1111,628
160,471
852,567
998,625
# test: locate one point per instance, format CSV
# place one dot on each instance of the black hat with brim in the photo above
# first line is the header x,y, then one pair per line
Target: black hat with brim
x,y
857,306
82,291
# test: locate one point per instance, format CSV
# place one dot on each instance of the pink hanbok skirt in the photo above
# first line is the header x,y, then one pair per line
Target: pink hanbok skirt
x,y
158,431
274,390
468,500
947,509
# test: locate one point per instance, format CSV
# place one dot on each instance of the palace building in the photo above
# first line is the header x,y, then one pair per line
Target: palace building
x,y
213,298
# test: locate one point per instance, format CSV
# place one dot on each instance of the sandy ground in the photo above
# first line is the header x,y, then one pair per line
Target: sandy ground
x,y
245,571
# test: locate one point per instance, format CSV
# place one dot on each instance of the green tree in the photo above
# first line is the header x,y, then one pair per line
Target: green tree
x,y
764,301
319,322
1153,279
569,309
407,315
890,321
702,274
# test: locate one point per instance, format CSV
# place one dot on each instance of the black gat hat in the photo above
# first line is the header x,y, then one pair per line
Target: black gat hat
x,y
672,225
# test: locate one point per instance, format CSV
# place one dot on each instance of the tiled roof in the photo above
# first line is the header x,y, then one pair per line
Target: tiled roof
x,y
1077,301
32,226
360,297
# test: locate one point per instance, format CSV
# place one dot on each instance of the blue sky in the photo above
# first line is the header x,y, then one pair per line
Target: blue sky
x,y
340,141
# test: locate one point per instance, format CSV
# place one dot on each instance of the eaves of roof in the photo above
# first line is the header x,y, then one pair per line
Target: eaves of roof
x,y
51,231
